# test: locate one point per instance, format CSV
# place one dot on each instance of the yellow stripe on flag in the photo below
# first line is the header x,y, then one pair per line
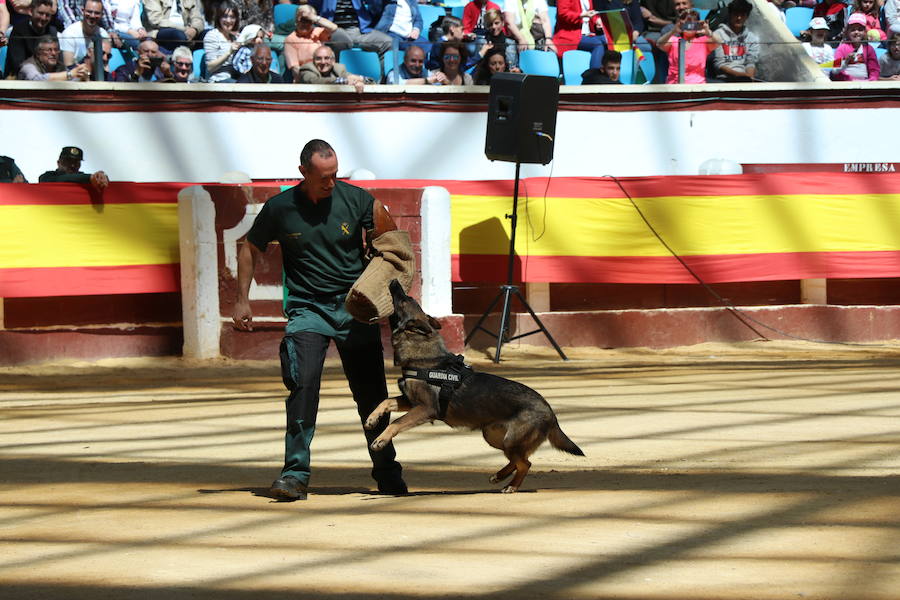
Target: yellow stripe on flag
x,y
88,236
690,225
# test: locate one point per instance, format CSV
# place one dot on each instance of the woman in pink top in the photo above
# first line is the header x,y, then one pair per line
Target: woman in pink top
x,y
700,43
311,32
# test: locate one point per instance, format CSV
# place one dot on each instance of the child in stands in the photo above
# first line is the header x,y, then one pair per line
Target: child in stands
x,y
858,61
816,47
872,10
889,63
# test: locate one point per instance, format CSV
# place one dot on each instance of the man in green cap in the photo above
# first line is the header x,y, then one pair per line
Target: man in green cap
x,y
320,225
69,170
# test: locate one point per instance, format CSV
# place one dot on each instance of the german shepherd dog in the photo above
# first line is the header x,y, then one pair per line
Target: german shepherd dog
x,y
512,417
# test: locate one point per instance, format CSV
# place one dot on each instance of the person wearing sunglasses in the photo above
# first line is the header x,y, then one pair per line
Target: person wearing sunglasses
x,y
183,65
452,56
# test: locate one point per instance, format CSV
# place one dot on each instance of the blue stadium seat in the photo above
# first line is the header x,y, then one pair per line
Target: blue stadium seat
x,y
626,75
276,63
457,11
538,62
285,16
3,62
430,14
454,3
116,60
393,59
797,19
199,63
574,63
703,12
361,62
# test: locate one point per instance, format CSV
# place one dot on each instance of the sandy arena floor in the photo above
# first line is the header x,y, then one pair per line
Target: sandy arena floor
x,y
755,471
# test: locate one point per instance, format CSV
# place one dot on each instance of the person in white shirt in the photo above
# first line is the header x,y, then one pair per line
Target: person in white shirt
x,y
816,48
127,21
74,39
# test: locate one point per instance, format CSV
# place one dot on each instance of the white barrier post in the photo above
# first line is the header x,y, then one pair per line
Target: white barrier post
x,y
435,256
199,273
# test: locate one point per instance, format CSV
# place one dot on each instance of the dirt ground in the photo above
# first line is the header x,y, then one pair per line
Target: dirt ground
x,y
753,471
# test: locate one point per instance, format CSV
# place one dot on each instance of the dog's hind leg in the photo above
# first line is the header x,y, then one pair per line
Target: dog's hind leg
x,y
416,416
398,404
503,473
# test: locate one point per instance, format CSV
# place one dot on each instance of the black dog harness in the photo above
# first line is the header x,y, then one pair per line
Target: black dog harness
x,y
451,374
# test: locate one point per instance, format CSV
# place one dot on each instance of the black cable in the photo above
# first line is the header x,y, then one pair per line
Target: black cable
x,y
740,315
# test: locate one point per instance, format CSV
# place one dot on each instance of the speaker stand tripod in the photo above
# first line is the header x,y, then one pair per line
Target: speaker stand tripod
x,y
508,291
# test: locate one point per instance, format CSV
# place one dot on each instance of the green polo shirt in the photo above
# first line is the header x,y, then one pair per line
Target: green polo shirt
x,y
322,252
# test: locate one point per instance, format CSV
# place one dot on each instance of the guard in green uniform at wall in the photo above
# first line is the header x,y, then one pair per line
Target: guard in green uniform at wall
x,y
320,225
69,170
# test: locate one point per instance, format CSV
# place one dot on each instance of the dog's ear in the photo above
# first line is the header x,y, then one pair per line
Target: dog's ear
x,y
418,326
433,322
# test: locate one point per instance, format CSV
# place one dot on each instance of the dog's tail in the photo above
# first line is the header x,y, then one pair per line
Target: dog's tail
x,y
561,441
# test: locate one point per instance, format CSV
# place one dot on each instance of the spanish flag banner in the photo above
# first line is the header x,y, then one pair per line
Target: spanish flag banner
x,y
64,239
781,226
617,29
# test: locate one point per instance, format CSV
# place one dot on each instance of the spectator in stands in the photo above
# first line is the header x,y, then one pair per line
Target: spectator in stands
x,y
451,29
474,19
816,47
573,24
311,31
127,22
889,62
608,73
872,10
73,41
325,69
221,43
735,59
174,22
45,64
659,17
833,12
355,19
151,65
529,24
10,171
257,12
20,10
261,71
453,55
892,15
402,21
72,11
858,61
4,25
107,54
183,65
24,37
412,70
495,35
699,42
249,38
68,169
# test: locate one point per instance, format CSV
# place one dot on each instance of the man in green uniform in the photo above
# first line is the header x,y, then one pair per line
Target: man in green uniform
x,y
320,225
69,170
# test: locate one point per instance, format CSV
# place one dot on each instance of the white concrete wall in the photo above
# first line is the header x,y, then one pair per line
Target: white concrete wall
x,y
200,147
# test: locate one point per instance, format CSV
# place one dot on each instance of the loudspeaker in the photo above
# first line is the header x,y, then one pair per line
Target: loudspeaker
x,y
521,121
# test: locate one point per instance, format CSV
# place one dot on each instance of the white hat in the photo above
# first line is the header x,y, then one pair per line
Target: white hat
x,y
818,23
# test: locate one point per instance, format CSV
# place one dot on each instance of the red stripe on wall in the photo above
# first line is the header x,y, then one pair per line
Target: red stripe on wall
x,y
89,281
686,185
666,269
75,193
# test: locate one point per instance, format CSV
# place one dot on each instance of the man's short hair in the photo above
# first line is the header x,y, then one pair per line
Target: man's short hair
x,y
36,3
313,147
741,7
326,47
449,21
182,52
611,56
47,39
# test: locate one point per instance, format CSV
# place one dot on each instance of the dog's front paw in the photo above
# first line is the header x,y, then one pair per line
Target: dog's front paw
x,y
371,423
379,444
510,489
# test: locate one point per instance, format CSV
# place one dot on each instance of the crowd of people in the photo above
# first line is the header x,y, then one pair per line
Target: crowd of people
x,y
55,40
